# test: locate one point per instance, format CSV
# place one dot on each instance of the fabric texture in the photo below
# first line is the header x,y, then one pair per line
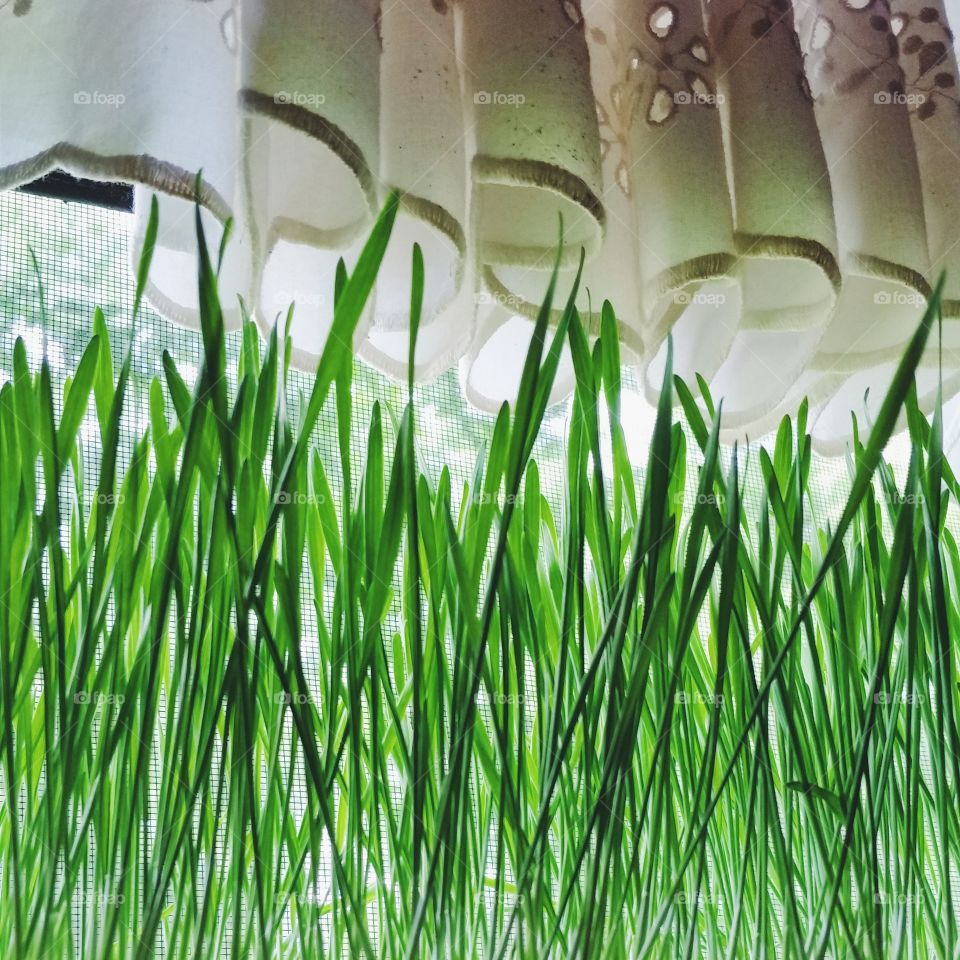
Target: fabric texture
x,y
776,184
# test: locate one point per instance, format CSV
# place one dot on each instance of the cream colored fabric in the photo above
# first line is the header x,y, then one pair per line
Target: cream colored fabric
x,y
110,90
931,89
666,90
886,83
783,209
856,82
536,159
928,58
855,79
511,293
776,184
423,151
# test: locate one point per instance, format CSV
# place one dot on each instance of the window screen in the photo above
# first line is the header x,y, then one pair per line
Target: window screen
x,y
81,261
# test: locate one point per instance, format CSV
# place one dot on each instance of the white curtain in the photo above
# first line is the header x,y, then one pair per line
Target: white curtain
x,y
775,182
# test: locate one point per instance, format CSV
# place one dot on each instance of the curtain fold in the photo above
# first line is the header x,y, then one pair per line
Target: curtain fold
x,y
421,92
774,184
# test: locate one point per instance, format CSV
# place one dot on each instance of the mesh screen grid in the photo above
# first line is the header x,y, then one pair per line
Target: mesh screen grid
x,y
82,256
82,262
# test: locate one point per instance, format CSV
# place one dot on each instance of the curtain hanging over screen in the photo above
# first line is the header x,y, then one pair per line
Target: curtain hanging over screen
x,y
776,183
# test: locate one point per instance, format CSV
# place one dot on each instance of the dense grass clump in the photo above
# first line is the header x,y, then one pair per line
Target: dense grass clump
x,y
658,722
